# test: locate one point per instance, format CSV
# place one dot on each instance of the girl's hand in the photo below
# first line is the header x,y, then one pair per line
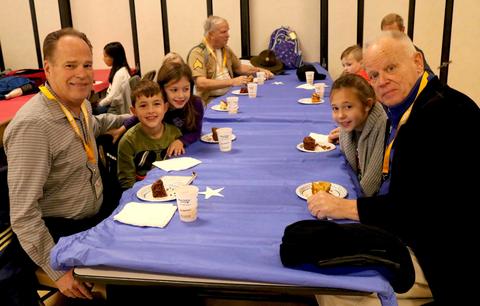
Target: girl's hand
x,y
117,133
175,148
334,135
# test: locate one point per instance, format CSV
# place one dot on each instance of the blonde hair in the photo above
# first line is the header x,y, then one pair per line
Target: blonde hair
x,y
355,51
172,57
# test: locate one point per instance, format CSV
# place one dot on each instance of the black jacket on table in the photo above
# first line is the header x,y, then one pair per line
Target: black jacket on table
x,y
433,191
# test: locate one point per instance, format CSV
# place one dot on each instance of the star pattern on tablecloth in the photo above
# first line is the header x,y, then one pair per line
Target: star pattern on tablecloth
x,y
277,83
209,192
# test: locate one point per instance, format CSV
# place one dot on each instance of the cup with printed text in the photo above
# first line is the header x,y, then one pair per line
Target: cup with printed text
x,y
187,202
225,139
232,105
252,90
309,75
320,89
260,77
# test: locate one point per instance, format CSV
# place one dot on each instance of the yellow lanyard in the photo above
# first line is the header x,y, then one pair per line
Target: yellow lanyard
x,y
214,55
88,146
386,157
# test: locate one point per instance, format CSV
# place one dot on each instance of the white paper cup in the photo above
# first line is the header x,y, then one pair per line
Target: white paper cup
x,y
260,77
187,202
320,89
232,103
309,75
252,90
225,139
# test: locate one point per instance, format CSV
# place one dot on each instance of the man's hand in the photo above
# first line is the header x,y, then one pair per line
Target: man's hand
x,y
239,81
323,205
72,288
268,73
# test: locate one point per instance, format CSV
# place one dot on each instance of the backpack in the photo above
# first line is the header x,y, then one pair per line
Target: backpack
x,y
9,83
37,76
284,42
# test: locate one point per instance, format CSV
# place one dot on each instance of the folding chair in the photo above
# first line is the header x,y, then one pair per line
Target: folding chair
x,y
134,81
107,163
149,75
7,235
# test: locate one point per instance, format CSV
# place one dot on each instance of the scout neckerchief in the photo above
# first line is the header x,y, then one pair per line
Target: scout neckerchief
x,y
224,63
88,146
386,157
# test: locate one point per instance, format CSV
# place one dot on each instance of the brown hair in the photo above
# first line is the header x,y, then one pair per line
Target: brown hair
x,y
362,88
354,50
50,42
145,88
391,19
174,71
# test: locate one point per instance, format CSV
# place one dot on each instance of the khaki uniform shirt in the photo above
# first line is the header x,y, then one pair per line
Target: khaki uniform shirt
x,y
203,63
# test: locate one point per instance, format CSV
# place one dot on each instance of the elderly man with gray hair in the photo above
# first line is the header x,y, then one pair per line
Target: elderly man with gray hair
x,y
214,65
426,195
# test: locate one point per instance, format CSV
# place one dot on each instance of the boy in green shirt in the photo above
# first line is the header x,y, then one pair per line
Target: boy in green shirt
x,y
149,139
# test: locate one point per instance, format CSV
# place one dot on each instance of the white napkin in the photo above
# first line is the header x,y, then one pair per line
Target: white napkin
x,y
179,163
141,214
306,86
319,138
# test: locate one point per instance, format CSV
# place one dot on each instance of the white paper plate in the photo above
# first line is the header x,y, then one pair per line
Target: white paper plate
x,y
304,191
145,193
209,138
309,101
237,92
320,147
218,109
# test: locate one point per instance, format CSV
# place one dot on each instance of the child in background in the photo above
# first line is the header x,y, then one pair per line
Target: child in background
x,y
173,57
185,110
352,62
150,135
362,123
114,56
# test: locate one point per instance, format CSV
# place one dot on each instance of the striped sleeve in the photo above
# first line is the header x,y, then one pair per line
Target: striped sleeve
x,y
28,154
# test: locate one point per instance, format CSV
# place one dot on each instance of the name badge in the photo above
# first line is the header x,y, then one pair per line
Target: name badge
x,y
96,180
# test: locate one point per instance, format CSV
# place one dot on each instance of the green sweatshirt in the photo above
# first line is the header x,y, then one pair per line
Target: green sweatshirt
x,y
135,141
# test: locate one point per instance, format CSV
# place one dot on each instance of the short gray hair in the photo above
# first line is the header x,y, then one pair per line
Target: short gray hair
x,y
211,23
401,37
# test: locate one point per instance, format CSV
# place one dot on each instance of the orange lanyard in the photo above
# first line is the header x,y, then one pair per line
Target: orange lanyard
x,y
87,146
386,157
214,55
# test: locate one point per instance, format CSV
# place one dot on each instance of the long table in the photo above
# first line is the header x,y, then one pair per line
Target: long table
x,y
235,241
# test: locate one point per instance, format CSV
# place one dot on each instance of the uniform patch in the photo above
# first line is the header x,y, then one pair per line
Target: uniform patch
x,y
197,64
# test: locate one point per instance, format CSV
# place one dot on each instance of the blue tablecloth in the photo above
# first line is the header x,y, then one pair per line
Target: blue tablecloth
x,y
236,236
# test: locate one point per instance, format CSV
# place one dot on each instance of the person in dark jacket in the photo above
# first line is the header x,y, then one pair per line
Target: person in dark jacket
x,y
427,191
